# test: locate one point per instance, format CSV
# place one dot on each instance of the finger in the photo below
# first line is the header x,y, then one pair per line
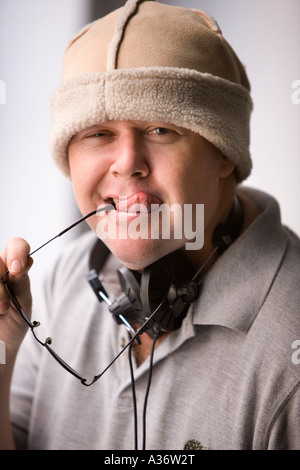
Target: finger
x,y
4,298
16,258
18,264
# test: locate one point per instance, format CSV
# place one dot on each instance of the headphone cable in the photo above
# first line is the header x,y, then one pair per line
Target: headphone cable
x,y
146,395
133,397
148,387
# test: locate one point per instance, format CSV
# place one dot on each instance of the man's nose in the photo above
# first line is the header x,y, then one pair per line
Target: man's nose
x,y
131,156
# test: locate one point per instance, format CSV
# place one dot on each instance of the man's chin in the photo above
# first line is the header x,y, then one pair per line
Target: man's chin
x,y
138,254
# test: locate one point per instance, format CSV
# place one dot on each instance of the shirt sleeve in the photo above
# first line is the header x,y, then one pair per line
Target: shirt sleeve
x,y
22,390
28,363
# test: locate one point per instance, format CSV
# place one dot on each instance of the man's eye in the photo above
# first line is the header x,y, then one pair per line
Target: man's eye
x,y
160,131
98,134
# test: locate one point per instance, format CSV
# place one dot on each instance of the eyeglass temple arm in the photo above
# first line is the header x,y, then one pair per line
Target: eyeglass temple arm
x,y
108,207
61,362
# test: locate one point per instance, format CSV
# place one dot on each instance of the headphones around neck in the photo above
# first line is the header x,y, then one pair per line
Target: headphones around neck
x,y
167,287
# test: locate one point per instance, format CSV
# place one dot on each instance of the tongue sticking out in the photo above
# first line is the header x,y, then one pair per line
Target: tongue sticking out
x,y
139,202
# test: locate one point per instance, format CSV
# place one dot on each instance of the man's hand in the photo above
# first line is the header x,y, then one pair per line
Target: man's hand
x,y
12,326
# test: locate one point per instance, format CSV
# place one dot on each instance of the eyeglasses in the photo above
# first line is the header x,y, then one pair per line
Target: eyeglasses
x,y
33,325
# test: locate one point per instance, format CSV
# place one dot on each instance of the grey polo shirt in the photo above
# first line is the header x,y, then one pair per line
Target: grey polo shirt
x,y
226,378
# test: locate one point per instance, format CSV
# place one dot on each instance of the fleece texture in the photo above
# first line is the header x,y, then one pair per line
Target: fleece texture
x,y
149,61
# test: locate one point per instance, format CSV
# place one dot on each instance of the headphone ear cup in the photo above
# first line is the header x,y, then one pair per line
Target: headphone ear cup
x,y
129,281
158,281
168,281
128,303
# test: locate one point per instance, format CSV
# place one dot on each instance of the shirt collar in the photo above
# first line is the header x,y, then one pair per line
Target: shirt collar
x,y
237,285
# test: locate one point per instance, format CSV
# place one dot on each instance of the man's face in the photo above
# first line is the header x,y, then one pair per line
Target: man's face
x,y
141,166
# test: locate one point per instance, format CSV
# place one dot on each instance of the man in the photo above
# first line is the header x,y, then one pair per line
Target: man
x,y
153,111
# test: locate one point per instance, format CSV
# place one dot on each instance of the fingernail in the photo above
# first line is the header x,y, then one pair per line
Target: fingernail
x,y
16,266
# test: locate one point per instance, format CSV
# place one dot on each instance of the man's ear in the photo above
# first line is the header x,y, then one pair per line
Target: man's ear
x,y
226,167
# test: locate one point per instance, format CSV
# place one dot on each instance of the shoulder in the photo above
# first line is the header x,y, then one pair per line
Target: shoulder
x,y
292,258
286,287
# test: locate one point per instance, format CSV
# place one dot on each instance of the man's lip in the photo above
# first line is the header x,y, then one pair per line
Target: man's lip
x,y
138,202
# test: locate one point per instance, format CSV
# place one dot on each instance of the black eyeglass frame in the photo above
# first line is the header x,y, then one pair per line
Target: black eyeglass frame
x,y
32,325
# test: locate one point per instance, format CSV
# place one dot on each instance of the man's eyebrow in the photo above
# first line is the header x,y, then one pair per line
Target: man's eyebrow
x,y
76,137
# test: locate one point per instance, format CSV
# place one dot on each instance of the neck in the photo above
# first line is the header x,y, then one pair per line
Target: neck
x,y
218,216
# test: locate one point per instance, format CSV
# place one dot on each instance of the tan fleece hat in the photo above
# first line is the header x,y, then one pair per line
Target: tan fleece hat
x,y
154,62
